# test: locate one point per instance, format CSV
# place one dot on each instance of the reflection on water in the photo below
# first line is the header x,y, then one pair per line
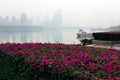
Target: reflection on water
x,y
62,36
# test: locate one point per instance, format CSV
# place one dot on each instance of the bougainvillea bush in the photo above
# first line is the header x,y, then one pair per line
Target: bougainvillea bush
x,y
56,61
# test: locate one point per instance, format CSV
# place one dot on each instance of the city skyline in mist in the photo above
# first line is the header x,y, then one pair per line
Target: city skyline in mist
x,y
85,13
24,20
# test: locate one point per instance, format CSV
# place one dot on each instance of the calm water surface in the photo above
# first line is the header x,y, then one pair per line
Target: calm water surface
x,y
67,36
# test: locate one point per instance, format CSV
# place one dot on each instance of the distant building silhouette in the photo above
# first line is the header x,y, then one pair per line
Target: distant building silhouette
x,y
29,22
57,19
37,23
23,19
13,21
1,19
6,20
47,21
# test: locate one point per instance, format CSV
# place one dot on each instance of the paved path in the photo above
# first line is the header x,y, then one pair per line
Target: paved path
x,y
115,46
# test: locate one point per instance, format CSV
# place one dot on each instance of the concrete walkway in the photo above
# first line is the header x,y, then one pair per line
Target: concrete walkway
x,y
114,46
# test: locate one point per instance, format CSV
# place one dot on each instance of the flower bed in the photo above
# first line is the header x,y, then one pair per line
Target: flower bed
x,y
38,61
108,36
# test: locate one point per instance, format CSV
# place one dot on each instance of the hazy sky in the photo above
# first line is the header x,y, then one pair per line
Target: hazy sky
x,y
98,13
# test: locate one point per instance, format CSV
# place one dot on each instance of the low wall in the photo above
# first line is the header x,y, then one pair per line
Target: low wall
x,y
105,42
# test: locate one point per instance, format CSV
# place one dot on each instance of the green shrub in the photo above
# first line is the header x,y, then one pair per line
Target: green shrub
x,y
86,41
16,69
113,36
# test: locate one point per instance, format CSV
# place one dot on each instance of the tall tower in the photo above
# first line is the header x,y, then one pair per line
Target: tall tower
x,y
6,20
1,20
57,19
23,19
37,21
13,20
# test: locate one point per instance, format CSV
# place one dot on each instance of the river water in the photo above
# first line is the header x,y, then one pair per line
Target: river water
x,y
67,36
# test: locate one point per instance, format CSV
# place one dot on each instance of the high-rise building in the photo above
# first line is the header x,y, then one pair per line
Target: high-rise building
x,y
6,20
37,23
29,22
57,19
1,20
23,19
47,21
13,21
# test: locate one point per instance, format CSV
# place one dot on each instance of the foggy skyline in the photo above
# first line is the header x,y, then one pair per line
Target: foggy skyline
x,y
85,13
24,20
